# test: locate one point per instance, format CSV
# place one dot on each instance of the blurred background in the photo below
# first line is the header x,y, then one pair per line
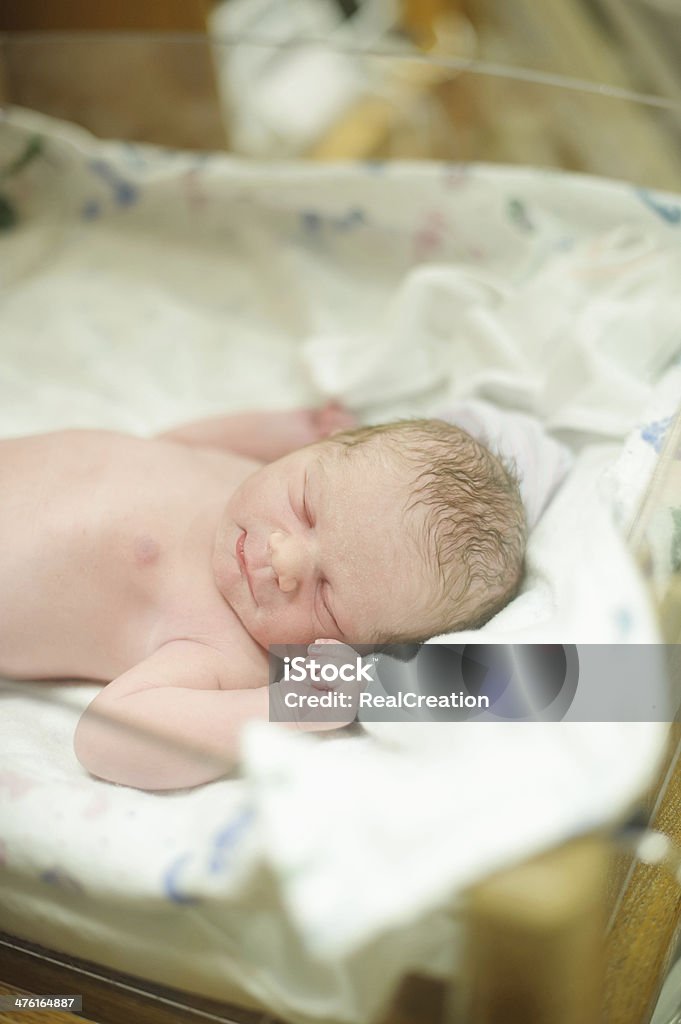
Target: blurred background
x,y
364,79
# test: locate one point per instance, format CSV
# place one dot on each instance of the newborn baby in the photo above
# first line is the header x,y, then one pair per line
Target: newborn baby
x,y
166,567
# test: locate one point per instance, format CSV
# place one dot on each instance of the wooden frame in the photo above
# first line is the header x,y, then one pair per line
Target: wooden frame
x,y
142,86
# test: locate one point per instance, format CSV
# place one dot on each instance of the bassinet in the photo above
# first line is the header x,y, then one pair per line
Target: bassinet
x,y
530,954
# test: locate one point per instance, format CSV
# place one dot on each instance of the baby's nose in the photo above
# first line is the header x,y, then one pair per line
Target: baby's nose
x,y
287,560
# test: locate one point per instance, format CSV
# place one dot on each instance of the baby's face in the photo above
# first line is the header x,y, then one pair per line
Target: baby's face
x,y
315,545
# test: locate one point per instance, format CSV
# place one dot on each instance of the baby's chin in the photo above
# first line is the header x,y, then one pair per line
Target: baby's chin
x,y
263,625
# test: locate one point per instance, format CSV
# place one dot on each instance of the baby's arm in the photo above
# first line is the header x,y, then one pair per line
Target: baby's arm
x,y
264,435
181,696
175,694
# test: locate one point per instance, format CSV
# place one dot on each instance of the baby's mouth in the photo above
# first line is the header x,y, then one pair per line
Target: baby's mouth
x,y
241,561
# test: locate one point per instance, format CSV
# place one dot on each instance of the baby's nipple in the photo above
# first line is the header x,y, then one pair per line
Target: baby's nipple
x,y
146,550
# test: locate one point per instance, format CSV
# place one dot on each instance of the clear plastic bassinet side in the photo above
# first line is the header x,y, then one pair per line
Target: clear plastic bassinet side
x,y
339,97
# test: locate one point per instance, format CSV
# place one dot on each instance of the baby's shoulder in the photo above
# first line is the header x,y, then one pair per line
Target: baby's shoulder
x,y
206,630
225,662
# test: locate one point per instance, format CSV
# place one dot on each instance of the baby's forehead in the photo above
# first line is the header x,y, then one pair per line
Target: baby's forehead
x,y
375,472
376,454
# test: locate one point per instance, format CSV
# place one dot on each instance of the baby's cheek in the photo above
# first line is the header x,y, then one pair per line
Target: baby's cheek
x,y
286,624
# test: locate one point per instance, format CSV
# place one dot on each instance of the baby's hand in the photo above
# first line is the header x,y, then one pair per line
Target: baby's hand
x,y
274,434
338,655
330,418
327,695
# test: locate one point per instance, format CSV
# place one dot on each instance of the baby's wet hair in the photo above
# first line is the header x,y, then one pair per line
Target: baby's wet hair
x,y
474,530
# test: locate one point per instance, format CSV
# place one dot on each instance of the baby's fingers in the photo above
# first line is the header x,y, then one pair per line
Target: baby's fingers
x,y
332,650
332,417
336,664
312,707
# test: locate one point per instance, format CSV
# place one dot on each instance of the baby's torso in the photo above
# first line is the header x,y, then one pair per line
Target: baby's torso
x,y
106,545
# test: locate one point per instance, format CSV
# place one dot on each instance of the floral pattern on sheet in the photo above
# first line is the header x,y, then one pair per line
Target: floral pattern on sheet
x,y
660,547
214,860
669,212
654,433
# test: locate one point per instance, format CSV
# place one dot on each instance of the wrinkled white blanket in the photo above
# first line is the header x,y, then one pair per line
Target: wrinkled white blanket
x,y
141,288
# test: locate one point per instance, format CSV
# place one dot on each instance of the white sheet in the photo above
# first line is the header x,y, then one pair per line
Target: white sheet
x,y
171,286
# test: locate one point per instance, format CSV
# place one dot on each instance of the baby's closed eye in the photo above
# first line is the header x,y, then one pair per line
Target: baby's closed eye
x,y
307,509
325,614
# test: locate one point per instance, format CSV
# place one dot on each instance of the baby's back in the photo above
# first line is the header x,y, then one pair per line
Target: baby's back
x,y
105,544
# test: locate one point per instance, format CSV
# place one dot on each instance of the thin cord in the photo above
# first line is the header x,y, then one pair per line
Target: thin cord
x,y
474,66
